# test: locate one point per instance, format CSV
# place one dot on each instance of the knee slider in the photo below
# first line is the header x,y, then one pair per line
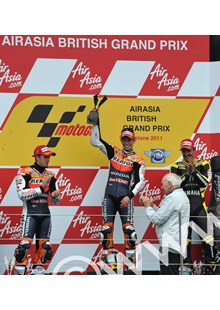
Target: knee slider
x,y
131,233
48,253
104,235
21,251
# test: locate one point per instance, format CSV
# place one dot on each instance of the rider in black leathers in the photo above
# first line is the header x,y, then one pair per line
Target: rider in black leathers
x,y
196,175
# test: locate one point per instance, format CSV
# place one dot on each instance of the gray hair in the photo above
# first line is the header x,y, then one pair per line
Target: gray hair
x,y
173,178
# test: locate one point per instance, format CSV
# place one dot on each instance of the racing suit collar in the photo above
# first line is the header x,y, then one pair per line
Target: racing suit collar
x,y
128,152
38,167
187,164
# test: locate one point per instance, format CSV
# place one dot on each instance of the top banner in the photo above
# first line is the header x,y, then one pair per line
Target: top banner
x,y
111,65
164,87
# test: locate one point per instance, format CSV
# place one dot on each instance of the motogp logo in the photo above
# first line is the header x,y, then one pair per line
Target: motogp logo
x,y
157,155
54,131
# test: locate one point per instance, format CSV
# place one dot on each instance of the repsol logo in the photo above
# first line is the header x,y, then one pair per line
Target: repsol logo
x,y
122,162
54,131
35,181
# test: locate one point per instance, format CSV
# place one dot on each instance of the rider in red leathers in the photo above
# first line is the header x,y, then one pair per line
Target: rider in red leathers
x,y
34,185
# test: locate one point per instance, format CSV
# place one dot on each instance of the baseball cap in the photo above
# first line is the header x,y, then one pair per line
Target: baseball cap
x,y
43,150
187,144
127,133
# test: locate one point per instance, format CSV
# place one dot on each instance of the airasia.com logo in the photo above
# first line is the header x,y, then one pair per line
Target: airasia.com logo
x,y
155,192
11,79
94,82
88,229
171,82
7,230
202,147
74,193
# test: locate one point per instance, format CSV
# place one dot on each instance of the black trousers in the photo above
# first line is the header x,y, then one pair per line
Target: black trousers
x,y
200,218
111,206
169,263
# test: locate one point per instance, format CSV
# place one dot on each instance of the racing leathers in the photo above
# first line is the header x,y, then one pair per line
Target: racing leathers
x,y
35,218
126,178
194,184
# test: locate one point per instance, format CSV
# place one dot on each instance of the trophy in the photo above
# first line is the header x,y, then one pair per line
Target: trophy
x,y
93,116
